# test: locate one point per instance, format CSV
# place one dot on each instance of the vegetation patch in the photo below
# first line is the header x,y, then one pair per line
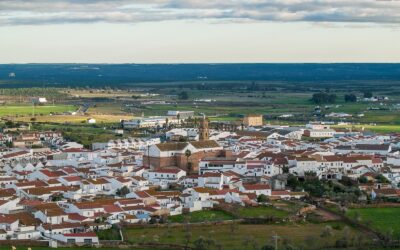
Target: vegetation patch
x,y
385,219
202,216
38,110
247,236
109,234
262,212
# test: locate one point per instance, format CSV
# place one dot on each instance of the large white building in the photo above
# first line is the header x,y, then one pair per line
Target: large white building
x,y
149,122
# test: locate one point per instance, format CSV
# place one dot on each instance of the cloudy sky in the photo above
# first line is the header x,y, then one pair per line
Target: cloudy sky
x,y
185,31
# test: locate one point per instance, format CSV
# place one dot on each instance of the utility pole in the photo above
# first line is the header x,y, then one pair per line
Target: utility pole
x,y
33,108
276,237
148,155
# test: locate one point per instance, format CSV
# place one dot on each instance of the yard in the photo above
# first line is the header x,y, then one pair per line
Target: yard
x,y
382,219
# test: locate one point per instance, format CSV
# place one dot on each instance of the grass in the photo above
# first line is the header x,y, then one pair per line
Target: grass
x,y
75,118
85,134
109,234
385,129
262,212
382,219
235,237
202,216
27,110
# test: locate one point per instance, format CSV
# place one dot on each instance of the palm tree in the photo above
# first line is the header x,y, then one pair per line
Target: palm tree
x,y
188,153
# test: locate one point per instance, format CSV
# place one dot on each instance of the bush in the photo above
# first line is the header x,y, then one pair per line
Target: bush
x,y
320,98
262,198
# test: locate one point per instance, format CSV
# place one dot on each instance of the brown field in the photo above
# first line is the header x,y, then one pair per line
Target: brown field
x,y
97,93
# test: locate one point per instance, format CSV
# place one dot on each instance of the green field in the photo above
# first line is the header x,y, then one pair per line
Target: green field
x,y
85,134
28,110
382,219
202,216
375,128
262,212
243,236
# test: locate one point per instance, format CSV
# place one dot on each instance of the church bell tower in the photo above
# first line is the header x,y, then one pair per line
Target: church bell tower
x,y
203,129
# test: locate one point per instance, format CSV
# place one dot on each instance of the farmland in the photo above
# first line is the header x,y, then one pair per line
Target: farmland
x,y
18,110
242,236
385,220
75,118
201,216
262,212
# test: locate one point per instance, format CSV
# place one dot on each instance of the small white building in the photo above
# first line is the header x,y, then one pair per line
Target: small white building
x,y
88,238
91,121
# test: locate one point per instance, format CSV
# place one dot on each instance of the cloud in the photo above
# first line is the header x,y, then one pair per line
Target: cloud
x,y
22,12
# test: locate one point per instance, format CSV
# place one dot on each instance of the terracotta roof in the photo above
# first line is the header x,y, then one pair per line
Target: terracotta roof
x,y
256,186
209,174
7,218
7,192
171,146
87,234
72,178
205,144
202,190
168,170
112,209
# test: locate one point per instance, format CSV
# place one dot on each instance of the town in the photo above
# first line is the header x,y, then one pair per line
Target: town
x,y
199,125
58,193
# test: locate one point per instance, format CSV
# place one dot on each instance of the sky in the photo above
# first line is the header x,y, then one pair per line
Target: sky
x,y
199,31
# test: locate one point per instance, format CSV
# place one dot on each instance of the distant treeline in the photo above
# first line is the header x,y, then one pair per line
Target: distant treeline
x,y
49,93
125,75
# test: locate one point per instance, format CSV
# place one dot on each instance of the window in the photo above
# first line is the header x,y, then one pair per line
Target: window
x,y
71,241
87,241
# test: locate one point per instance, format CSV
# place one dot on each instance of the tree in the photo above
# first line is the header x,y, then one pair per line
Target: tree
x,y
57,197
166,122
350,98
203,244
268,247
362,179
183,95
381,179
326,232
367,94
9,124
123,191
262,198
188,153
322,97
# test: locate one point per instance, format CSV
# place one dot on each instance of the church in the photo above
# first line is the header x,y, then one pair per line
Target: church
x,y
185,155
